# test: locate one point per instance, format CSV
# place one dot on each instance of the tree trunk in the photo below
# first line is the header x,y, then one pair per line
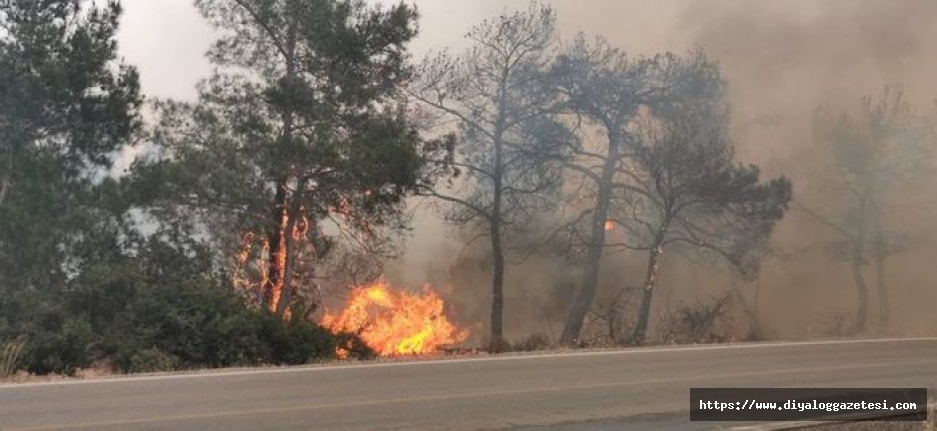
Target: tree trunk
x,y
496,337
279,250
276,257
881,252
862,295
286,295
497,246
650,280
590,275
858,263
497,285
756,330
884,316
757,300
6,179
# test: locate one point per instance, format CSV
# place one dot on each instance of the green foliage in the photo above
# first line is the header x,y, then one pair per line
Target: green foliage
x,y
79,282
192,319
303,114
304,342
59,345
158,311
151,360
65,105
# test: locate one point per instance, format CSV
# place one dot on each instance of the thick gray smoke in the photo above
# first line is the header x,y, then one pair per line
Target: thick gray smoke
x,y
782,59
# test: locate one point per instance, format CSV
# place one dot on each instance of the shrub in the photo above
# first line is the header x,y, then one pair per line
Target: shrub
x,y
700,322
208,326
355,346
532,343
499,345
159,311
308,342
61,349
152,360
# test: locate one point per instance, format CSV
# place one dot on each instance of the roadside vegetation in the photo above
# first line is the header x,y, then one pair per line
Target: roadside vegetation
x,y
289,177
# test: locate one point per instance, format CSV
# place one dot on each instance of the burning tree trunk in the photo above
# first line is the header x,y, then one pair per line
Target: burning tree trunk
x,y
280,242
293,234
277,256
650,281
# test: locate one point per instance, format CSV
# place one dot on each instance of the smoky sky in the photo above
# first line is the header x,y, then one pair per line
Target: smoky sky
x,y
167,39
780,57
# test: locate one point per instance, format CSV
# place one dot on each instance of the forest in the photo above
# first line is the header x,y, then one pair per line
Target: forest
x,y
589,197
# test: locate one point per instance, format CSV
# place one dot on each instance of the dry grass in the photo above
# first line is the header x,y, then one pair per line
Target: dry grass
x,y
10,354
707,321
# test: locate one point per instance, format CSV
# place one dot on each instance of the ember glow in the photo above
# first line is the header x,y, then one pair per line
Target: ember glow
x,y
395,322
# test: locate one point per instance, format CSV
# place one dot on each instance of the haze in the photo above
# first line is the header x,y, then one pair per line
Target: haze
x,y
781,59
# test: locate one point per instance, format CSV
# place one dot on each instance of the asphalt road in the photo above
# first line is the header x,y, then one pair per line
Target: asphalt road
x,y
631,389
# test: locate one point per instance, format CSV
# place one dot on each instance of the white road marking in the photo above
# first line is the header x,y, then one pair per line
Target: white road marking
x,y
328,367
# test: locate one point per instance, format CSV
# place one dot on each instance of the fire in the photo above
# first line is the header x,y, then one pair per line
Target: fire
x,y
394,322
609,225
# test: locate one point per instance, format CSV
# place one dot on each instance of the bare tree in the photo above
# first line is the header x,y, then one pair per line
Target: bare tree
x,y
877,155
494,95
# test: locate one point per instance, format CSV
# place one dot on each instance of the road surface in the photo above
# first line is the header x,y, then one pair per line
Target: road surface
x,y
633,389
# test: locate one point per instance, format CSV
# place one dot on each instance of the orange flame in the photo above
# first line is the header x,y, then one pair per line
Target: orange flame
x,y
394,322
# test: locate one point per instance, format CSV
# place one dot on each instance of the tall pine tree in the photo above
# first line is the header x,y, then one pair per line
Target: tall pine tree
x,y
302,126
66,105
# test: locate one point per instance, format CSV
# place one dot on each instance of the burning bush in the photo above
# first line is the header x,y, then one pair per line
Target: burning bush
x,y
394,322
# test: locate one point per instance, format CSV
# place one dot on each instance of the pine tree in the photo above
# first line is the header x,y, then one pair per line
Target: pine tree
x,y
301,129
